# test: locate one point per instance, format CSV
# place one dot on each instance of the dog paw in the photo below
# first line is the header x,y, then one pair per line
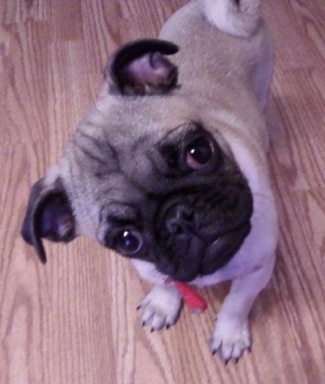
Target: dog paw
x,y
161,307
230,339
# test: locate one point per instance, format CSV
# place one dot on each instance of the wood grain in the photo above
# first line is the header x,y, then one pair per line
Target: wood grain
x,y
74,321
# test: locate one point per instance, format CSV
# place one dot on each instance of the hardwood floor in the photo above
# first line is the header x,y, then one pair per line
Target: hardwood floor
x,y
74,321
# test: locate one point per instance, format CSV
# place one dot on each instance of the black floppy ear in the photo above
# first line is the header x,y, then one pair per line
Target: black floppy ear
x,y
49,215
140,68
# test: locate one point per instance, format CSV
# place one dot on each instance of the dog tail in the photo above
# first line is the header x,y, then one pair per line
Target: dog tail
x,y
237,17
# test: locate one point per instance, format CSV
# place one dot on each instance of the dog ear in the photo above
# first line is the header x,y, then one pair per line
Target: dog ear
x,y
140,68
49,215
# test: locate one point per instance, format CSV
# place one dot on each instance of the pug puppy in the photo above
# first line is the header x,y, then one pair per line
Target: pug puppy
x,y
169,167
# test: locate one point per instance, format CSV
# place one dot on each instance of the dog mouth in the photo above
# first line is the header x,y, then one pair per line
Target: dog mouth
x,y
198,256
196,240
184,266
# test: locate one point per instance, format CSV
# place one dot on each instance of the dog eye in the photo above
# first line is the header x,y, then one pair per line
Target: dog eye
x,y
128,242
199,153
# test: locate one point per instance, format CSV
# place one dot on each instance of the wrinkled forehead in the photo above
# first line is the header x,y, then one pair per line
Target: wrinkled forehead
x,y
133,116
117,136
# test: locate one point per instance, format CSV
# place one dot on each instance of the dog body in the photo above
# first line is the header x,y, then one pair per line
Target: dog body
x,y
169,168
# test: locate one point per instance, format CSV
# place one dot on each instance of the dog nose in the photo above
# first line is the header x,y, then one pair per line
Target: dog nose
x,y
178,226
181,222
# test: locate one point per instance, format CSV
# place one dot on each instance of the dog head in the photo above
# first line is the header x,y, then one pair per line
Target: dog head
x,y
145,174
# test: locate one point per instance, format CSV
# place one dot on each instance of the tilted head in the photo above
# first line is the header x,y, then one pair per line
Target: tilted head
x,y
144,175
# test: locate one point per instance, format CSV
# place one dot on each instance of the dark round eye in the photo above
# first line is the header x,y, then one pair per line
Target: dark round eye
x,y
128,242
199,153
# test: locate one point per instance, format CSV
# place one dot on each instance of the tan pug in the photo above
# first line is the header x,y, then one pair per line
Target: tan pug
x,y
169,167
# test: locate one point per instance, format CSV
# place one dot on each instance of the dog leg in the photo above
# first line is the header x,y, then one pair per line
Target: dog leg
x,y
231,335
161,307
237,17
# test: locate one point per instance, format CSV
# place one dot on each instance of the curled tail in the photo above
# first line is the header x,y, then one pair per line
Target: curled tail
x,y
237,17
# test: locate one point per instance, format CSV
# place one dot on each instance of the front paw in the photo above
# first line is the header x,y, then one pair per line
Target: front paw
x,y
230,339
161,307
